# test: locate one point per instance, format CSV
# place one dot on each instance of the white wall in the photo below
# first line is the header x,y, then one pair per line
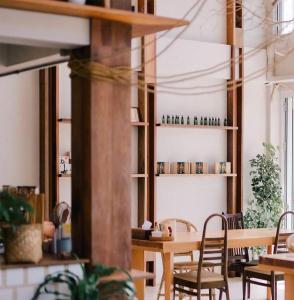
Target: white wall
x,y
19,129
203,45
197,49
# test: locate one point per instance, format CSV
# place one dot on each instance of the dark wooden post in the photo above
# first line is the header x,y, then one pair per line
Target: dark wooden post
x,y
49,95
235,105
101,151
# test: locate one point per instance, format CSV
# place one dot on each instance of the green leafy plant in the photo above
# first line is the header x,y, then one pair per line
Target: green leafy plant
x,y
267,204
89,286
13,210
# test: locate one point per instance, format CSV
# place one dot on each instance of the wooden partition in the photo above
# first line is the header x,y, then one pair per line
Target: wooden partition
x,y
235,97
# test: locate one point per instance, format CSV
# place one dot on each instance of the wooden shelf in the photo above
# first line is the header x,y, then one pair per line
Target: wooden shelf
x,y
197,126
195,175
64,175
64,120
139,124
142,24
139,175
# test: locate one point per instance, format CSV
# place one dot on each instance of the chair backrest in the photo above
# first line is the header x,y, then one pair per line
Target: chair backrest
x,y
281,238
236,221
181,225
214,250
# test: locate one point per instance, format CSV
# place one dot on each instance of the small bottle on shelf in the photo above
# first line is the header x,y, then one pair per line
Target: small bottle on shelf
x,y
182,120
188,120
218,122
195,121
225,122
168,119
209,122
173,120
205,121
201,121
163,120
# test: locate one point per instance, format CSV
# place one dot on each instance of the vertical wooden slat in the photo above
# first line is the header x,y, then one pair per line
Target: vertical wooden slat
x,y
235,105
44,137
49,93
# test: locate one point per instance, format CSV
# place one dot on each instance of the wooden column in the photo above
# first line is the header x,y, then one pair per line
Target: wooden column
x,y
235,105
48,83
101,152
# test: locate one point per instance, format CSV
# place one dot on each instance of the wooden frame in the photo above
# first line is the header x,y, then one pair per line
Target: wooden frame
x,y
49,98
235,97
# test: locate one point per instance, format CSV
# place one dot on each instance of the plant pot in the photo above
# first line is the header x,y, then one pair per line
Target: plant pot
x,y
24,244
77,1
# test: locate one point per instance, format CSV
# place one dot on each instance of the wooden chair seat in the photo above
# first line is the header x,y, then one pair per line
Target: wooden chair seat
x,y
259,270
206,276
185,265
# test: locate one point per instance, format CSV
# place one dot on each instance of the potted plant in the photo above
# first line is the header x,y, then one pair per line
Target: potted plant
x,y
22,241
267,205
90,286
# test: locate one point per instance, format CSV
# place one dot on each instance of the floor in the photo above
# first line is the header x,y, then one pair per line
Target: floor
x,y
257,292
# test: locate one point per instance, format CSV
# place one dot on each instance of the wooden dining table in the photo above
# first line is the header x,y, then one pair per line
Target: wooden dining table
x,y
187,241
283,262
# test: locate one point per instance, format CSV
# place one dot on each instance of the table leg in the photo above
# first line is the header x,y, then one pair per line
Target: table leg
x,y
289,286
268,290
138,263
168,266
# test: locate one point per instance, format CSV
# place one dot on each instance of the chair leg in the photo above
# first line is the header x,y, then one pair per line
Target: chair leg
x,y
198,294
174,294
249,290
213,295
276,290
210,294
244,286
227,291
220,294
273,292
160,288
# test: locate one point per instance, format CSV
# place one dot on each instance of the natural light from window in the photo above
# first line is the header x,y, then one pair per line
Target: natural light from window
x,y
286,14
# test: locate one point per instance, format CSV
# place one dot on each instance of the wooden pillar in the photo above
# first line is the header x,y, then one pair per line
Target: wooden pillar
x,y
235,105
48,83
101,152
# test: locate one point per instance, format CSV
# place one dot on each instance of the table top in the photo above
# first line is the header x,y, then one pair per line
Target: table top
x,y
278,262
186,241
142,24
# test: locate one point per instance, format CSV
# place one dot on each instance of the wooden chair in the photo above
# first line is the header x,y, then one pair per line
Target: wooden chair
x,y
213,253
269,279
238,258
179,267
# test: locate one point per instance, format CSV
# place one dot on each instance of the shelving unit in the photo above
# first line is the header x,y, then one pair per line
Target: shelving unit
x,y
197,126
64,175
139,175
139,124
196,175
64,120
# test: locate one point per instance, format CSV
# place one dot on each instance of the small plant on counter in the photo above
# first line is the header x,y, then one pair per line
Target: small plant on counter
x,y
22,240
90,286
13,210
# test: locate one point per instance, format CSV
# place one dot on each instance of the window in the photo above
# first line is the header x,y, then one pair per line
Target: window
x,y
289,156
286,13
